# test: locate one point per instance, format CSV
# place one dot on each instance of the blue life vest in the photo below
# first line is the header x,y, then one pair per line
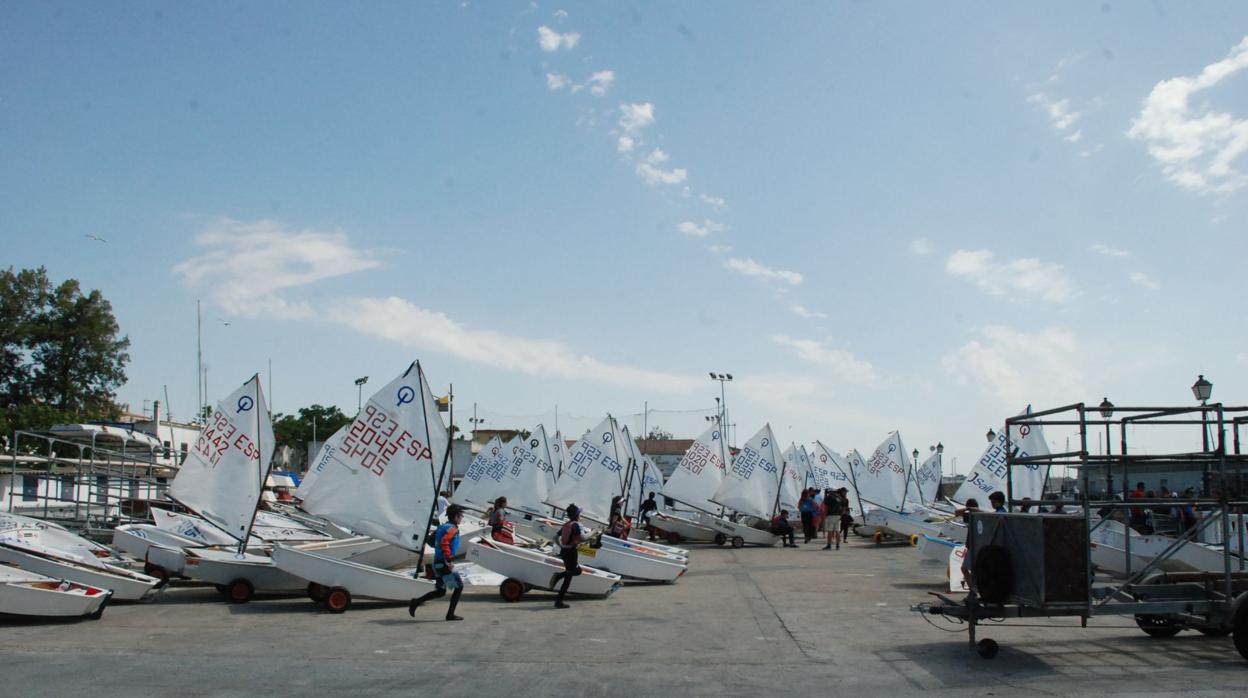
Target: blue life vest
x,y
443,531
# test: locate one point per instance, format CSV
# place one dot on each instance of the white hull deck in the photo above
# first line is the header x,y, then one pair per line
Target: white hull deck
x,y
342,580
236,576
124,584
740,534
677,529
634,565
908,526
136,539
1108,542
668,552
533,568
27,594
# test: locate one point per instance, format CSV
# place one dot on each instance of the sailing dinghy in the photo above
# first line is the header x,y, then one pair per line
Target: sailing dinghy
x,y
693,482
382,483
24,593
751,487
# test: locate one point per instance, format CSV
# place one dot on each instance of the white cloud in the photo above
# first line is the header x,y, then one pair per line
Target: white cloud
x,y
921,247
714,201
1074,137
409,325
844,366
700,231
634,117
1018,278
1060,115
1091,151
1139,278
244,266
803,312
625,144
600,82
719,249
649,170
1197,151
1017,368
554,81
561,14
1108,251
551,40
748,267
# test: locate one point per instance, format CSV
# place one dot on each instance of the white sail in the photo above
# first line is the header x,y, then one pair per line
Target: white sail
x,y
752,481
223,476
883,480
927,476
646,478
857,467
483,482
830,471
383,481
594,472
989,474
700,472
803,467
558,458
527,472
794,480
323,457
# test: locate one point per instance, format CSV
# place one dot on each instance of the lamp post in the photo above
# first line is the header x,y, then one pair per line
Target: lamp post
x,y
359,396
1107,410
1202,389
723,398
474,421
991,435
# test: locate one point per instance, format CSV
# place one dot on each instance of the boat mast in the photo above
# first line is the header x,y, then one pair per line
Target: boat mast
x,y
199,364
437,489
263,471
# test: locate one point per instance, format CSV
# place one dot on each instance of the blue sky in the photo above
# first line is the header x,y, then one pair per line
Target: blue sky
x,y
875,215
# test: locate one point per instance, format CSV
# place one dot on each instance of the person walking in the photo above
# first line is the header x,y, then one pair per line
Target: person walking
x,y
569,537
832,511
806,509
847,516
445,546
648,508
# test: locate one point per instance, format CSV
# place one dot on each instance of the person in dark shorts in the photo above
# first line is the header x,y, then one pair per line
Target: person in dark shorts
x,y
847,517
832,519
569,537
445,546
780,526
648,508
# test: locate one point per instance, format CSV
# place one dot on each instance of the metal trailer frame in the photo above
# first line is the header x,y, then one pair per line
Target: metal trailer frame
x,y
129,470
1163,603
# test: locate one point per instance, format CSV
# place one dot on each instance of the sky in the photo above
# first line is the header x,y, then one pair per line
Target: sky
x,y
875,216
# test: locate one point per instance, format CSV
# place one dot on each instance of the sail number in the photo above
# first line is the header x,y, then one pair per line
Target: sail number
x,y
375,438
697,458
219,436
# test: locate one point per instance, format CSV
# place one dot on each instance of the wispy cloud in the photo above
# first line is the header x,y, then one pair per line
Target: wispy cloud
x,y
634,117
803,312
844,366
699,230
651,171
1101,248
714,201
550,40
719,249
555,82
921,247
1018,368
245,266
1139,278
1197,148
600,82
1061,116
1015,279
748,267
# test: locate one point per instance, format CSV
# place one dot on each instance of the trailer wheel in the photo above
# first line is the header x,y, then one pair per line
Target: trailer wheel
x,y
511,590
738,542
674,537
1241,628
156,571
720,539
317,592
987,648
914,540
877,537
338,600
240,591
1157,626
222,589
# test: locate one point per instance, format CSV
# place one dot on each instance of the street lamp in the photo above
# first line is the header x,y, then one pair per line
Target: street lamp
x,y
940,448
723,398
916,455
1107,411
991,435
1202,389
359,398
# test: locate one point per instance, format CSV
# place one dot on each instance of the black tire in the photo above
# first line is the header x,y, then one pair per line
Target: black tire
x,y
317,592
240,591
720,539
738,542
1241,628
222,589
1157,626
987,648
338,600
674,537
914,540
156,571
511,590
992,574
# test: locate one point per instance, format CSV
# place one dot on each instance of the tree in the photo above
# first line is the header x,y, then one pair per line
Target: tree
x,y
658,433
296,431
57,346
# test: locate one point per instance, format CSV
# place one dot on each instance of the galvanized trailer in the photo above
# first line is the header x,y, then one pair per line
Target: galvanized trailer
x,y
1041,565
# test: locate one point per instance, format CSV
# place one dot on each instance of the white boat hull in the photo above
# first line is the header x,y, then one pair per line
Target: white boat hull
x,y
634,565
740,534
362,550
225,567
125,585
27,594
1108,541
678,528
910,526
668,552
136,539
360,580
536,568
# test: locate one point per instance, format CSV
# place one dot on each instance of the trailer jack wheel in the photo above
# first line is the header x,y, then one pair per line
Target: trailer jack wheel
x,y
338,600
317,592
720,539
878,537
914,540
738,542
240,591
511,590
674,537
987,648
1157,626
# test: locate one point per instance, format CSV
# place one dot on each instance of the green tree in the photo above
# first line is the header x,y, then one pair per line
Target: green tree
x,y
23,296
295,431
79,359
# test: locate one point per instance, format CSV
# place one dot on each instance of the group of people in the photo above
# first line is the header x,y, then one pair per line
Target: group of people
x,y
827,512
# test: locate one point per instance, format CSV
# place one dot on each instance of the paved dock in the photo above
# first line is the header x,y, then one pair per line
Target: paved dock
x,y
750,622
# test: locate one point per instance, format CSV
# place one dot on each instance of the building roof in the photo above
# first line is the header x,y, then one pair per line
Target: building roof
x,y
664,447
